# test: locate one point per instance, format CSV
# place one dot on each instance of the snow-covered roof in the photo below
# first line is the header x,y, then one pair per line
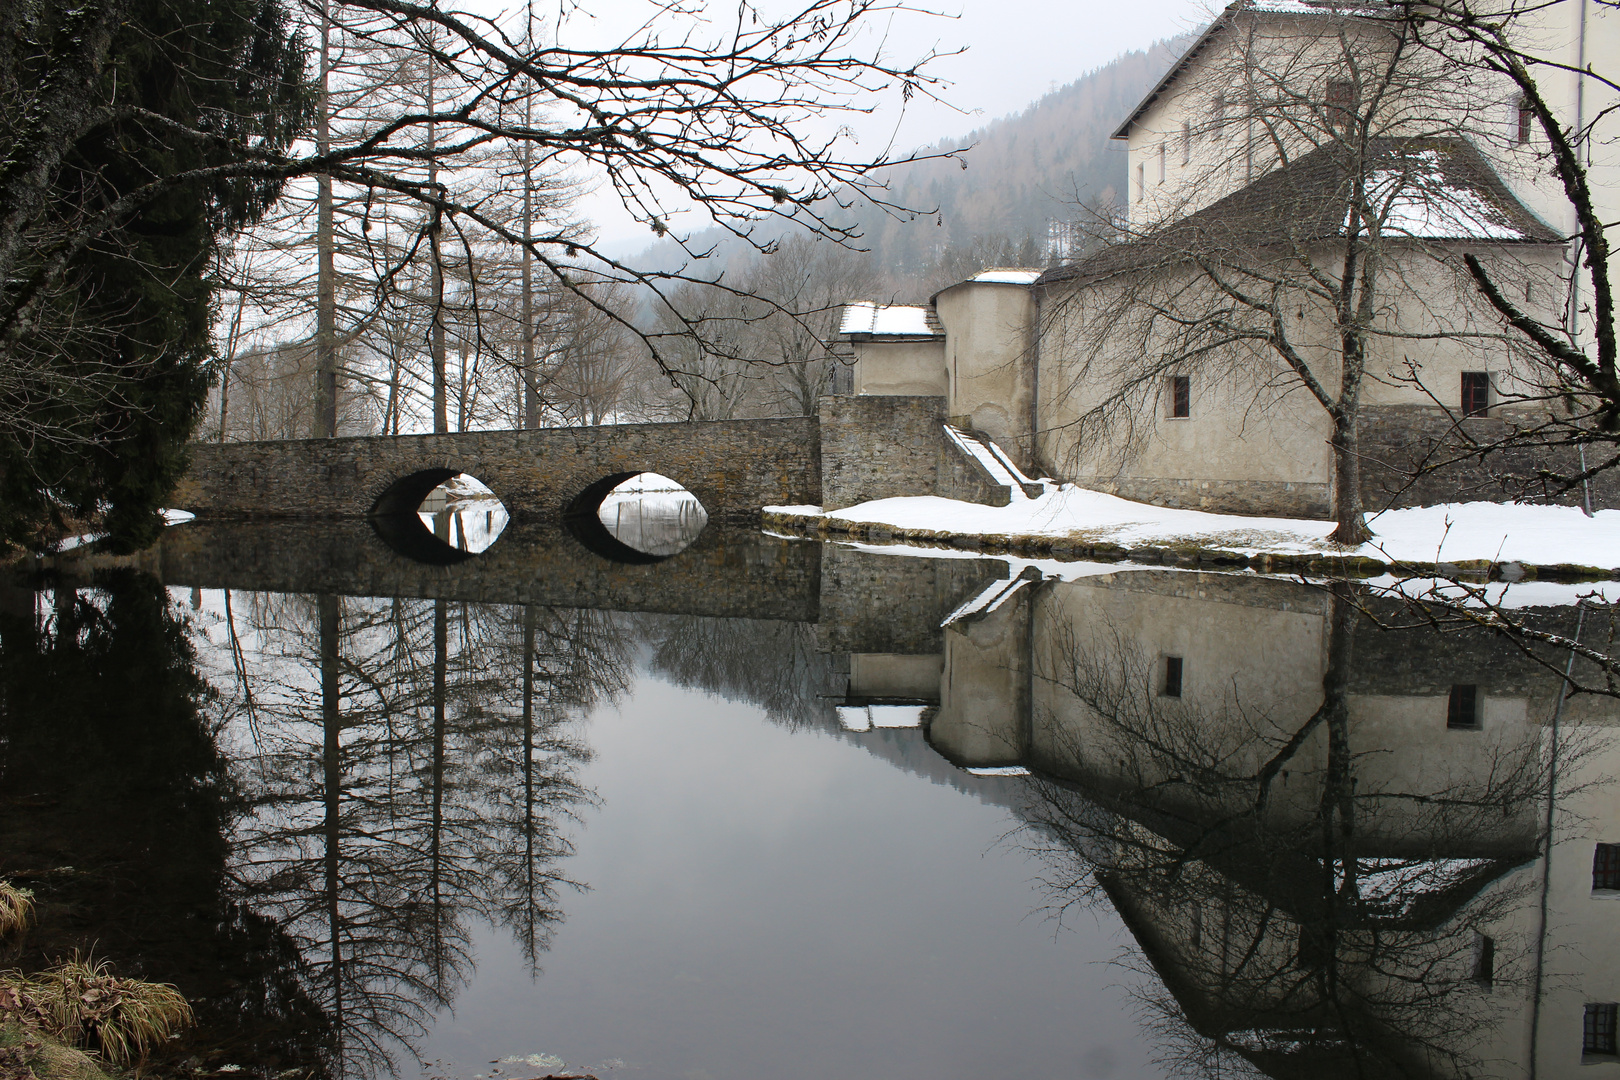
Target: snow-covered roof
x,y
867,717
1422,202
1008,275
890,320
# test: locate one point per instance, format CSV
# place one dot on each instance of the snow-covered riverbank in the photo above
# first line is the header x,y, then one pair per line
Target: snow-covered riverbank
x,y
1070,518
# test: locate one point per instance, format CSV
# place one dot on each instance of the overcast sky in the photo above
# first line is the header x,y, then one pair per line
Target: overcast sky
x,y
1016,51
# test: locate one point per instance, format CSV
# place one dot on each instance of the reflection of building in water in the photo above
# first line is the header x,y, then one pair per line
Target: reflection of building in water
x,y
1325,836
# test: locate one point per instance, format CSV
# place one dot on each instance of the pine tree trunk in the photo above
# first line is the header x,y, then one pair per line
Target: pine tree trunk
x,y
325,426
441,393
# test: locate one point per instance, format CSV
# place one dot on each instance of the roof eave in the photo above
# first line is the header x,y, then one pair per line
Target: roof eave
x,y
860,337
973,281
1186,58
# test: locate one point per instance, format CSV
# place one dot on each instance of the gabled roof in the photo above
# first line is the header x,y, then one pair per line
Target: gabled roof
x,y
871,320
1219,25
1425,190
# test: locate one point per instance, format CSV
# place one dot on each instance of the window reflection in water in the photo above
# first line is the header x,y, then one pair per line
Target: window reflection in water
x,y
464,513
653,514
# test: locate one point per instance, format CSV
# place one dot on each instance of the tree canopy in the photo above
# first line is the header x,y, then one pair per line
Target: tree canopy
x,y
118,118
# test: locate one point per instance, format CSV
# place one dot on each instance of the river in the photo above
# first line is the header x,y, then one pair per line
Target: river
x,y
763,808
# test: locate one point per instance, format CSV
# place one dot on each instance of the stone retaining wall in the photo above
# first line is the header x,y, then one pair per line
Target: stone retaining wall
x,y
886,447
1402,446
1261,498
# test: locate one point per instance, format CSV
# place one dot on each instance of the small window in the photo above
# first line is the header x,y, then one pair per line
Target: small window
x,y
1161,163
1222,104
1476,393
1186,143
1606,868
1172,676
1341,102
1180,392
1526,118
1484,960
1598,1037
1141,181
1462,711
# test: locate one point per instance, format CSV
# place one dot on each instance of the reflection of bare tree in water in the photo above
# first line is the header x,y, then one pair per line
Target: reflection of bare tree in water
x,y
1309,903
114,800
775,665
410,769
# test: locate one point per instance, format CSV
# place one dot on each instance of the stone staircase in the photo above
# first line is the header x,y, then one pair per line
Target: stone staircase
x,y
991,470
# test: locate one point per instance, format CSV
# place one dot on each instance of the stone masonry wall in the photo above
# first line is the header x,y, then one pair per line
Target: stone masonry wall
x,y
884,447
1401,448
734,467
1400,445
875,603
1258,497
879,447
730,573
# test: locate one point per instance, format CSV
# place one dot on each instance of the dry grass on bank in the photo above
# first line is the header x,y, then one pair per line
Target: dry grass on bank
x,y
82,1003
16,908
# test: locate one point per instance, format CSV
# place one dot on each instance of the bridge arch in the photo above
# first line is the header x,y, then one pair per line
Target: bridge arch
x,y
404,495
396,517
585,518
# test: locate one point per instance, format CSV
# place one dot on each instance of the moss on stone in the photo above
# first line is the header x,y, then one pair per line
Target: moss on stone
x,y
49,1059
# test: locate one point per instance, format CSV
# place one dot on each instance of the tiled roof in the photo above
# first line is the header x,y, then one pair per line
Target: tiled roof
x,y
1424,190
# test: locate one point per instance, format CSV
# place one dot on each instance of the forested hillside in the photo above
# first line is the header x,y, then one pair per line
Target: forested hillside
x,y
1023,173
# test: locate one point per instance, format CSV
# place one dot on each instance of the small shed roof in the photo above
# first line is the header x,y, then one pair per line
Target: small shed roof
x,y
868,319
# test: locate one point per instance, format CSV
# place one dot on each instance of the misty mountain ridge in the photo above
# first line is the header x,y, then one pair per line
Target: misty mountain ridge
x,y
1025,175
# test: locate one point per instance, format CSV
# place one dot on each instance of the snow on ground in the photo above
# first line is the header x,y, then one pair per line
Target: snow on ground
x,y
1454,532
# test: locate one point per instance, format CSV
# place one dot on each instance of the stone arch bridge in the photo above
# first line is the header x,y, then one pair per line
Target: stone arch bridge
x,y
857,448
733,467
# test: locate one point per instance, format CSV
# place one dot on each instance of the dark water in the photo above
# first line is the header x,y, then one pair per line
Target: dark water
x,y
764,809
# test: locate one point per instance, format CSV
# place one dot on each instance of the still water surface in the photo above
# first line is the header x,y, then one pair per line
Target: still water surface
x,y
751,811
